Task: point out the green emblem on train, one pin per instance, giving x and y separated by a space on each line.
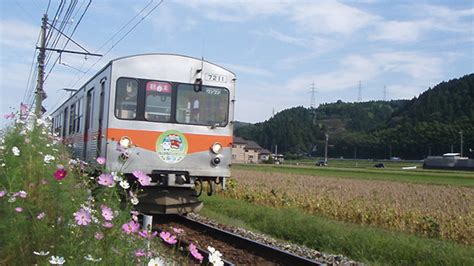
172 146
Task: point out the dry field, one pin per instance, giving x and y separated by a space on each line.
434 211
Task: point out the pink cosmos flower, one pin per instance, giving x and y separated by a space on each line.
168 238
149 235
21 194
9 116
107 213
143 179
18 209
98 235
2 193
24 109
40 216
194 251
82 217
106 180
100 160
130 227
178 230
60 174
139 253
108 225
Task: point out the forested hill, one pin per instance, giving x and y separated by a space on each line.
412 129
447 102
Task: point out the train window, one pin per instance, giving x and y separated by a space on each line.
158 101
77 116
206 107
72 109
126 98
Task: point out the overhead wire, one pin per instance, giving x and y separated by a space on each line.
67 41
108 40
118 41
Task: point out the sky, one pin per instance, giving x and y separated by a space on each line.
349 50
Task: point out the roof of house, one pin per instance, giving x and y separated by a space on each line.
239 140
264 151
252 145
249 144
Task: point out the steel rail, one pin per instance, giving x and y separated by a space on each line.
263 250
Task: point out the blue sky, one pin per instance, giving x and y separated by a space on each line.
276 48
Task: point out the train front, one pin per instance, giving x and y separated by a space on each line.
170 117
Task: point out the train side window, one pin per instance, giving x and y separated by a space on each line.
126 98
78 116
158 101
72 110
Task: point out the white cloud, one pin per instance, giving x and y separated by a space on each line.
404 91
282 37
236 11
18 35
248 70
401 31
414 65
331 17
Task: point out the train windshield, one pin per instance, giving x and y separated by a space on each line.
206 107
126 98
168 102
158 101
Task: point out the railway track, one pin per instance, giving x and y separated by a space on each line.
236 249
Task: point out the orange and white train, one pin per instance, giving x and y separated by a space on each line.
167 115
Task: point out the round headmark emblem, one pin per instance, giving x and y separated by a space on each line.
172 146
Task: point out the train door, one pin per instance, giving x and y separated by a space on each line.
100 152
65 115
88 122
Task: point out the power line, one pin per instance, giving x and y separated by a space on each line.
72 83
118 41
69 38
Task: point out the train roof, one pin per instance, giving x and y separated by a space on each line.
177 55
130 56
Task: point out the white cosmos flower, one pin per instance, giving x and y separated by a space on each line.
48 158
41 253
134 201
156 262
90 258
116 177
16 151
215 256
56 260
124 184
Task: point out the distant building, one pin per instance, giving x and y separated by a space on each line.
264 155
245 151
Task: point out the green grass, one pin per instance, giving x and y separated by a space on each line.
361 243
440 177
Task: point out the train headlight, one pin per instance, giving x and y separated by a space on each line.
125 142
216 148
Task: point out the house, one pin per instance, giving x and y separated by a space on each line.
245 151
264 155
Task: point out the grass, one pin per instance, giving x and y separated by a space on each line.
452 178
58 233
362 243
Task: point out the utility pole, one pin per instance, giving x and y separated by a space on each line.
326 150
384 93
460 133
359 95
313 99
41 57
